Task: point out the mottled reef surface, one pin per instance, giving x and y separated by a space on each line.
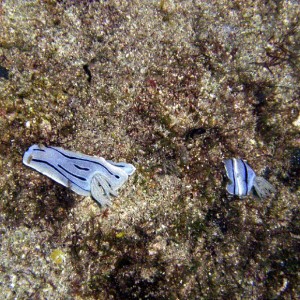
173 87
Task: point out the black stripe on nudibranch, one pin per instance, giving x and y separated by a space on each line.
57 170
41 150
246 176
81 168
84 159
233 176
78 177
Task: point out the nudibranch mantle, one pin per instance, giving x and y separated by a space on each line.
243 179
85 175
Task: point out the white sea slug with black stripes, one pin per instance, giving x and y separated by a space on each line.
85 175
243 179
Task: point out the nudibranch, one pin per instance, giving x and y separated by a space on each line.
243 179
85 175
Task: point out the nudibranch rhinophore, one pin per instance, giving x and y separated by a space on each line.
243 179
85 175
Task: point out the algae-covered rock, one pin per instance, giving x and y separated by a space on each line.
173 87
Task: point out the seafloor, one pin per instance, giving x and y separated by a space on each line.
173 87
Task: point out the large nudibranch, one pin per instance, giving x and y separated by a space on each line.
85 175
243 179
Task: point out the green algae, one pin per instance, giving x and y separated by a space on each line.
57 256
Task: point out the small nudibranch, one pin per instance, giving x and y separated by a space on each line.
243 179
85 175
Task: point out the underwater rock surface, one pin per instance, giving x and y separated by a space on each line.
175 87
